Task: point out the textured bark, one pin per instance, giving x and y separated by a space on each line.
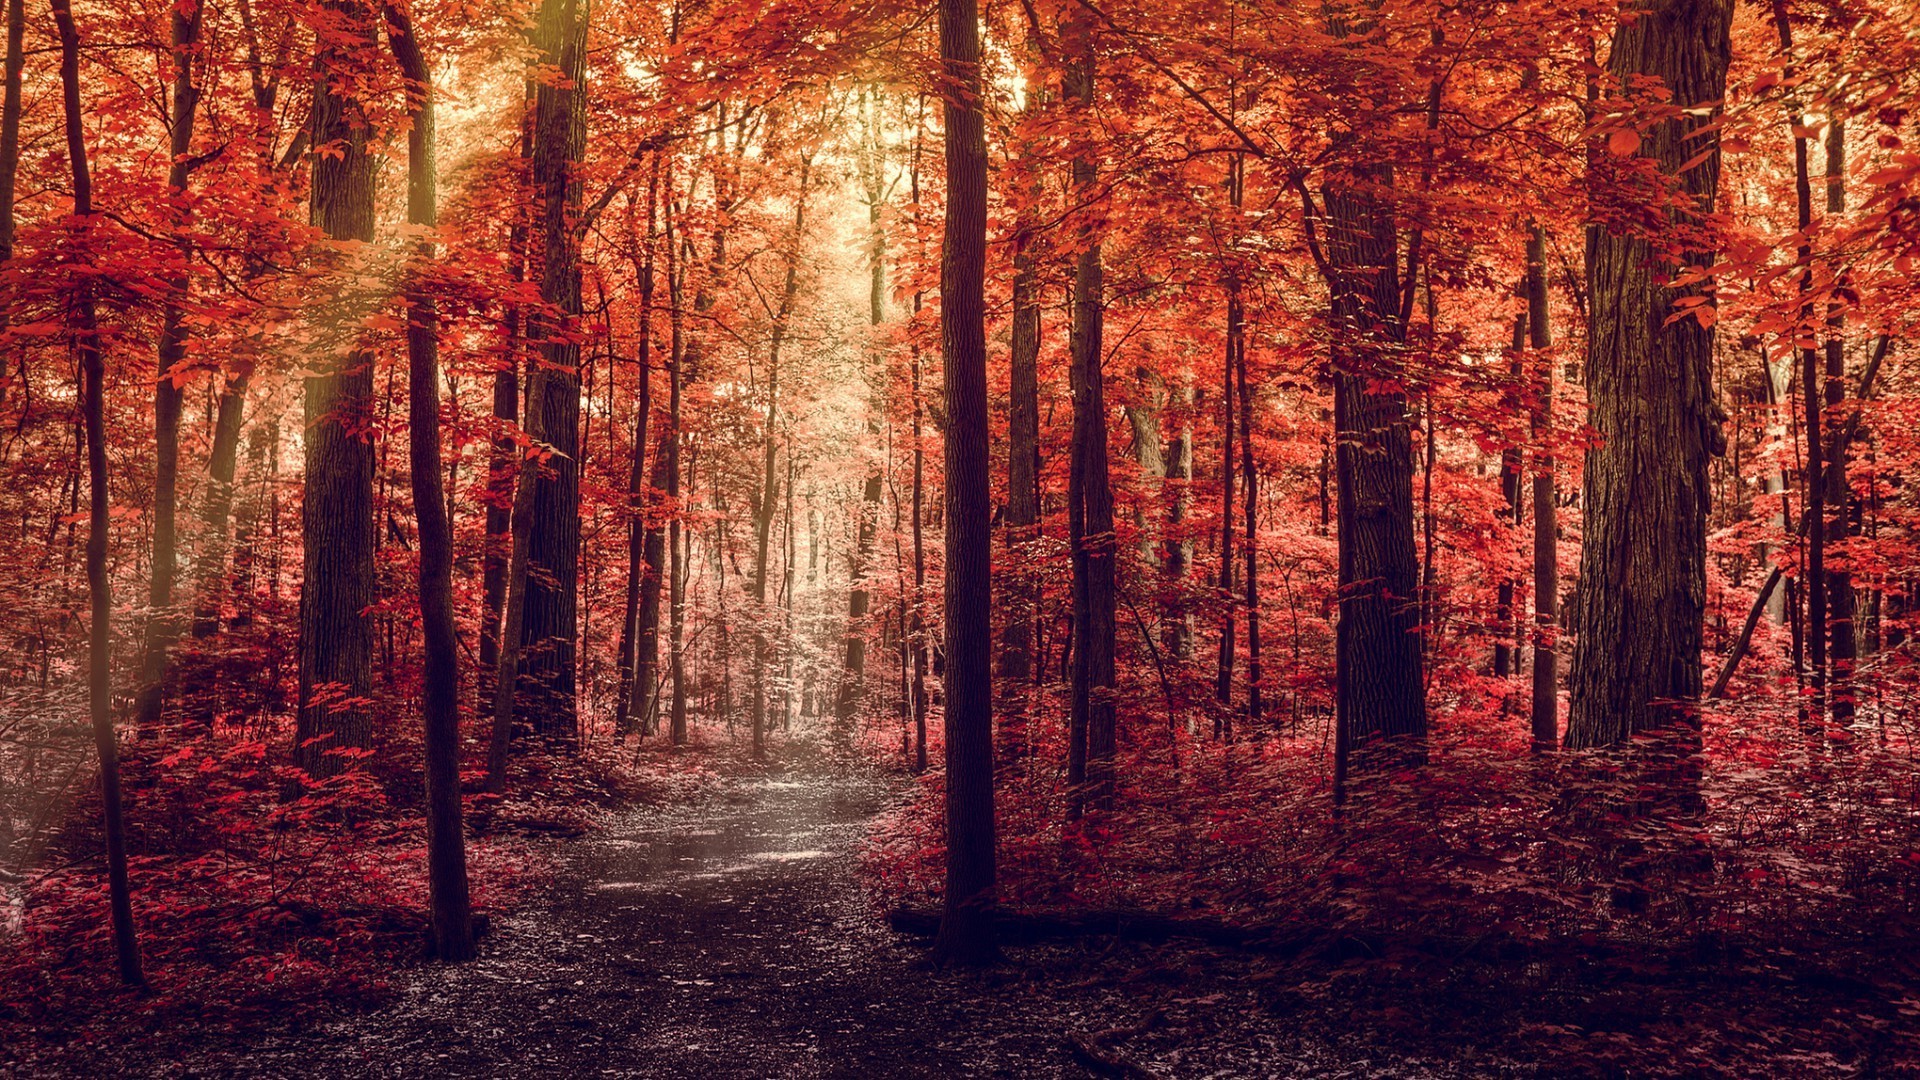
93 373
451 915
966 924
1636 656
163 622
1251 548
548 634
1546 517
1840 595
337 528
1090 744
1380 690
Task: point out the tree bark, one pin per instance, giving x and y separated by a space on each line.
548 665
163 622
1090 745
451 916
1636 656
1546 515
1840 595
966 925
636 670
86 341
1380 692
1250 492
337 527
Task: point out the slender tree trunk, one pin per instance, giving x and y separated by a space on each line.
1503 650
636 670
917 625
676 554
1251 493
1176 550
549 666
1546 516
93 372
163 622
966 925
769 479
1090 498
1236 339
337 527
1636 654
452 917
1840 595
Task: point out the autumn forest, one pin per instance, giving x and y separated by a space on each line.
862 538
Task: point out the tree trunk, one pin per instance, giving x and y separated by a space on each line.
1090 745
1636 654
86 341
548 666
1176 551
966 924
1236 340
1380 688
451 916
1840 594
769 479
636 671
1546 515
163 623
1251 493
337 527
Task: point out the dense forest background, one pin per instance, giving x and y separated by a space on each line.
1415 489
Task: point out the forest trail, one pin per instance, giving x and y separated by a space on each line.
733 939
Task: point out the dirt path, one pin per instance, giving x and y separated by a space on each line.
732 940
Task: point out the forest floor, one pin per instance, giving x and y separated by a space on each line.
733 938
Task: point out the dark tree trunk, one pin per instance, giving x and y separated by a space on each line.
548 666
1090 744
337 528
1176 550
1546 515
1236 340
1380 690
1251 495
451 916
1840 595
966 924
93 372
163 622
1636 654
636 669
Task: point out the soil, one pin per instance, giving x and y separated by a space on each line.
733 939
